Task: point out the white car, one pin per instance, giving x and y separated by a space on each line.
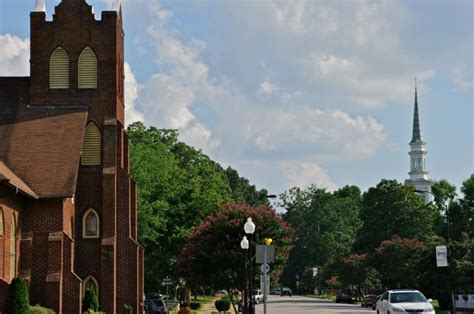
404 301
258 296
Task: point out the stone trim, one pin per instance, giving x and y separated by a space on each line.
55 236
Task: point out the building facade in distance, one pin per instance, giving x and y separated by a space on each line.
68 206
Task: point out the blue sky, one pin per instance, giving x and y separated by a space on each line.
293 93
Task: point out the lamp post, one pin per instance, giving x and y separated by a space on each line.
249 229
244 244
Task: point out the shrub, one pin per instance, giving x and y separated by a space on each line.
195 305
222 304
127 309
90 301
17 297
37 309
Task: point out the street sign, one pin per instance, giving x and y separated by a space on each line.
265 268
166 282
441 256
315 271
260 259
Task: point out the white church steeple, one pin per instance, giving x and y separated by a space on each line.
418 171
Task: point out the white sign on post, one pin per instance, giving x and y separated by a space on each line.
441 256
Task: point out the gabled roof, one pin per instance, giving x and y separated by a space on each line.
7 176
40 144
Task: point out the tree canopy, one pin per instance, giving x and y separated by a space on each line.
178 187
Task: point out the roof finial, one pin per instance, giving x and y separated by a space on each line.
416 120
40 6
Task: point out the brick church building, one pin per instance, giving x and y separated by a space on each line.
68 206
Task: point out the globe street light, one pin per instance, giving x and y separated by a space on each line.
249 229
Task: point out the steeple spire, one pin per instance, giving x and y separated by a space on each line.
416 136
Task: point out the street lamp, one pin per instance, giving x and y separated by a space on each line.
249 229
244 244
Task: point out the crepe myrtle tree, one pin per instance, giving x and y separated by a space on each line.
212 256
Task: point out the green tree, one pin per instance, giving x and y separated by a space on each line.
243 192
396 260
391 209
90 301
17 297
212 254
467 205
325 226
178 186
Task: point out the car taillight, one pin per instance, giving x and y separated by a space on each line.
165 308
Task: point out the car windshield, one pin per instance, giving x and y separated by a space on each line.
407 297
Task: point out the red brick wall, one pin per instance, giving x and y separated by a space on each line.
11 206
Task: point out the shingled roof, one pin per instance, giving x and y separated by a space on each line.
41 145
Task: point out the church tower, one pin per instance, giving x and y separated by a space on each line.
418 171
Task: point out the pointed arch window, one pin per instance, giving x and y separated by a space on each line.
91 148
59 69
87 69
13 248
90 283
90 224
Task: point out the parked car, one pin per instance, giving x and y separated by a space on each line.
155 306
404 301
275 291
369 300
344 295
286 291
258 296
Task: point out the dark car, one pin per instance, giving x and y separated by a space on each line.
155 306
369 300
344 295
286 291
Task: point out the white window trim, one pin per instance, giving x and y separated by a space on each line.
89 278
90 210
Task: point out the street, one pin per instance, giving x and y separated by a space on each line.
299 304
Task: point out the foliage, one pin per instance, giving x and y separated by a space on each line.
325 224
394 257
223 304
90 301
212 254
127 309
195 305
391 209
38 309
243 192
17 297
178 187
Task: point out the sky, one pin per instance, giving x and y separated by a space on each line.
294 93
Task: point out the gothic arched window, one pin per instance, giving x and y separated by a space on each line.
87 69
59 69
90 224
91 148
90 284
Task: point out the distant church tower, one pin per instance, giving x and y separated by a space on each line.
418 172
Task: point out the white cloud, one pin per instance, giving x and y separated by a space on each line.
131 93
458 76
304 174
14 56
267 88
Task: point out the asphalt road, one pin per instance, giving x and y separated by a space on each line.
298 304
